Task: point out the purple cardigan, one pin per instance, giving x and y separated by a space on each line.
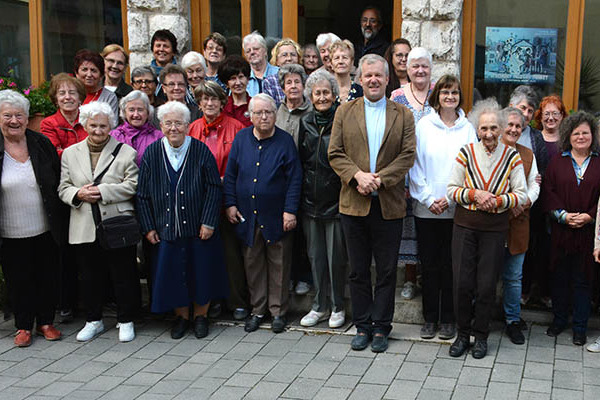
139 139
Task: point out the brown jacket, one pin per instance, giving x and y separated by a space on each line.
518 233
349 153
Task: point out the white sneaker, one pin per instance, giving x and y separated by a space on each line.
408 291
337 319
126 331
90 331
313 318
302 288
594 347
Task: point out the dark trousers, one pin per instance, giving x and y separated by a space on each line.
69 282
571 286
31 271
477 259
434 238
95 264
234 262
537 258
368 237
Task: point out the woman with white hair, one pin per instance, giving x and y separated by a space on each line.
98 181
31 217
179 202
137 131
255 51
194 65
324 40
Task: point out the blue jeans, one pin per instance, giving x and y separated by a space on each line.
511 277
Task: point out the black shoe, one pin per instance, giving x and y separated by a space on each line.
522 324
460 345
278 324
480 348
253 323
214 310
240 314
579 338
554 330
360 341
428 330
379 343
514 333
447 331
200 326
180 328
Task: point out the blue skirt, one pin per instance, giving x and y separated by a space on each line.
188 270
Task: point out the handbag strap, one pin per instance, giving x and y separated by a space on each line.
95 208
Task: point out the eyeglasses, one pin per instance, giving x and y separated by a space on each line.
265 113
172 85
286 55
19 117
554 114
111 62
142 82
372 21
448 92
170 124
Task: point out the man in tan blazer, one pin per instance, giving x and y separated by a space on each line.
372 148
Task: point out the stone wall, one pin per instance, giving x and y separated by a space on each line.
144 17
435 25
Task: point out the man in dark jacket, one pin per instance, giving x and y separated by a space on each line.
373 41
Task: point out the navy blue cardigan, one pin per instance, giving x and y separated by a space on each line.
263 179
197 200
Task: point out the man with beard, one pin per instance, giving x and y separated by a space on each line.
370 26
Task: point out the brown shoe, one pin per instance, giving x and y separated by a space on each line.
23 338
49 332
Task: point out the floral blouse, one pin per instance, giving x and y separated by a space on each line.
399 96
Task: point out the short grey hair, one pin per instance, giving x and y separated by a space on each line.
372 59
291 69
417 53
324 38
263 97
508 111
254 37
14 99
95 108
487 106
132 96
192 58
175 107
525 93
321 76
141 71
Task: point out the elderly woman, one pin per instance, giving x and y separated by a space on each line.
144 79
179 198
89 69
397 55
31 218
570 192
518 233
342 62
115 64
194 65
217 130
98 181
487 179
295 104
285 52
319 203
63 127
415 96
262 190
234 72
440 135
324 40
136 130
311 61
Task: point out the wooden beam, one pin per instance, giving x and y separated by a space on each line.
289 19
397 20
36 51
573 52
246 17
467 67
125 28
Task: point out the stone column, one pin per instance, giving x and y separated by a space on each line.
144 17
435 25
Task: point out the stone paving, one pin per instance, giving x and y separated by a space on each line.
230 364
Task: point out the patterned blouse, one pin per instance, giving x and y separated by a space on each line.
399 96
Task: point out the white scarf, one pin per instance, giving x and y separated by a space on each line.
176 155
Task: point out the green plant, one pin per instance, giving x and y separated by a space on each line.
39 100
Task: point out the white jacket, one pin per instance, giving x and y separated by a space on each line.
437 148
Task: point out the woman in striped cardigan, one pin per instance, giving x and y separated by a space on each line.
487 179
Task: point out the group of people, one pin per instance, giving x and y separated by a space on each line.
237 169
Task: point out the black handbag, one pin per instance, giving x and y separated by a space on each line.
116 232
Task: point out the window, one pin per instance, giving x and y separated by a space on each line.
266 19
14 41
589 79
226 18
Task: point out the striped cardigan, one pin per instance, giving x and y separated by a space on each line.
500 173
197 200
